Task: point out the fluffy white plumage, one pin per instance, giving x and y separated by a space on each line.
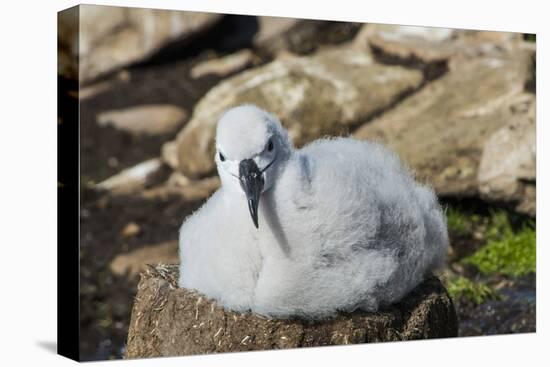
342 225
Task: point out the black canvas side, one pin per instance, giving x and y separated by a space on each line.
68 323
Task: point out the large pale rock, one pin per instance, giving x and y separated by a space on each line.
132 179
151 119
132 263
431 44
326 94
179 185
169 321
111 37
507 171
441 130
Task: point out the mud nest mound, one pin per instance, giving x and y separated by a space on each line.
170 321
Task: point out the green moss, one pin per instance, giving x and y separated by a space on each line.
508 251
513 255
461 288
499 226
530 37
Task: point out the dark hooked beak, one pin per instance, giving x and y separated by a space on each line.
252 183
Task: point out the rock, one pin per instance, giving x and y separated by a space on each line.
152 119
498 318
112 37
406 42
94 89
187 189
431 44
67 41
528 202
169 154
300 36
130 230
326 94
271 29
224 66
441 130
131 179
131 264
513 312
507 171
171 321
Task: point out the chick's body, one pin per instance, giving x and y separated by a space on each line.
342 226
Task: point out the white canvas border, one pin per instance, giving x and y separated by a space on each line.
28 194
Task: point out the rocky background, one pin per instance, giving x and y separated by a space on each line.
458 106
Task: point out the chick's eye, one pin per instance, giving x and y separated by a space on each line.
270 146
222 158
